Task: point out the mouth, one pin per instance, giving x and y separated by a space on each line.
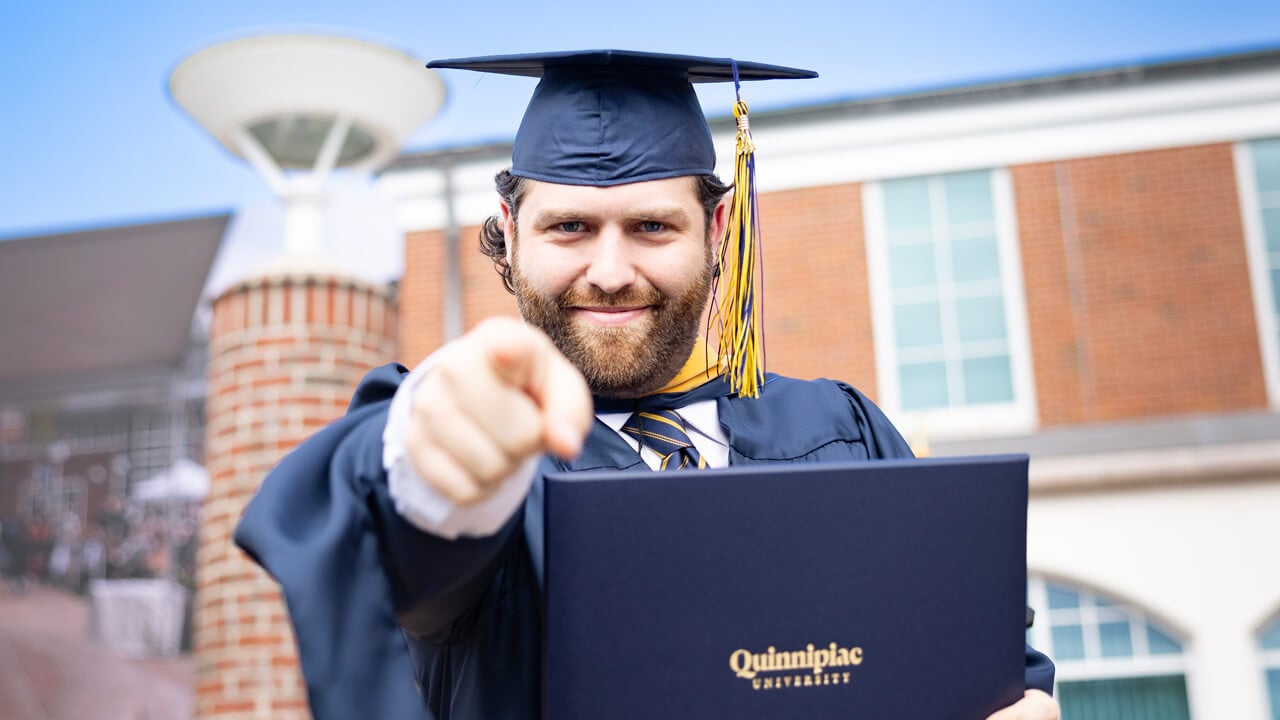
611 316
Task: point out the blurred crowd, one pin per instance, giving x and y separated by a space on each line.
123 540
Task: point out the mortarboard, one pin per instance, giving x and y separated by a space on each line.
609 117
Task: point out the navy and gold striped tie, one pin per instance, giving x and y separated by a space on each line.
662 431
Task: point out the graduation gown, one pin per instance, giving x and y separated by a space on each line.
395 623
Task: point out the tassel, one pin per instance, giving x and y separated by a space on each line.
737 312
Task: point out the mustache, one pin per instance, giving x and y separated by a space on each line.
593 297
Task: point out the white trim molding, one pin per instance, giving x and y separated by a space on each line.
795 153
420 196
1255 242
824 145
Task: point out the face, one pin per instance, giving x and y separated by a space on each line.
618 277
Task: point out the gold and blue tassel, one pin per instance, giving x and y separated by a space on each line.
737 310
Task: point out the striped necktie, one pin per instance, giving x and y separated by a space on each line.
662 431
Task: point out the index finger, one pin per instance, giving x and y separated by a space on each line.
569 410
528 360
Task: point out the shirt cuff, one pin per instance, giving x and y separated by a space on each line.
418 502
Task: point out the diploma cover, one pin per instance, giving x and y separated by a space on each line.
882 589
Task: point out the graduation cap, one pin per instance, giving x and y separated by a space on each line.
609 117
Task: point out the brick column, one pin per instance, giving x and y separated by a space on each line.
286 348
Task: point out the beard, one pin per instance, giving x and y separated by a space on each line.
628 361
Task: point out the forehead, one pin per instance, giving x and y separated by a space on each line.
630 197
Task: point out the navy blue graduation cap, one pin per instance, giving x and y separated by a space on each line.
610 117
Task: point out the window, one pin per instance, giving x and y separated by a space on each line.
1258 179
1113 661
51 493
951 342
1270 642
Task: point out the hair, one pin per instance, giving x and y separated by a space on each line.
493 240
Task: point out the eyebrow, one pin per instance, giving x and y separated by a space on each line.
555 216
671 215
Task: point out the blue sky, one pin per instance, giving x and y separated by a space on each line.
91 137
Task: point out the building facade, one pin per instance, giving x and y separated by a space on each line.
102 386
1083 267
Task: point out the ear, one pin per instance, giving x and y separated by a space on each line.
719 217
508 228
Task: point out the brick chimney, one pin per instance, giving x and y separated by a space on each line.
286 349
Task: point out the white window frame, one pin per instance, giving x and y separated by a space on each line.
1268 659
954 423
1093 666
1259 277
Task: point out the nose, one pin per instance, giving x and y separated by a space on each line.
612 265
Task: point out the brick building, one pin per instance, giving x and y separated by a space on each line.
1084 267
101 381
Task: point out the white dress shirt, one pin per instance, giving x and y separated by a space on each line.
430 511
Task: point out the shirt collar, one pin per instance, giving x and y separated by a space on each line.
701 417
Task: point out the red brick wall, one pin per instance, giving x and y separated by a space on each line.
422 296
482 292
817 303
1138 294
422 291
285 353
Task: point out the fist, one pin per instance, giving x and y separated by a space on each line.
497 396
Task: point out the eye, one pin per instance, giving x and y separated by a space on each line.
652 226
571 226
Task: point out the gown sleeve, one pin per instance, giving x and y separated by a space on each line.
353 572
884 442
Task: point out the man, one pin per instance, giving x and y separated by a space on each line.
410 513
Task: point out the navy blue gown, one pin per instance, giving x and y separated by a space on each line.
395 623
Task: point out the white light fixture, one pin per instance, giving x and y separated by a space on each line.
298 106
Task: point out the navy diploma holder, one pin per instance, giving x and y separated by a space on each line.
890 589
